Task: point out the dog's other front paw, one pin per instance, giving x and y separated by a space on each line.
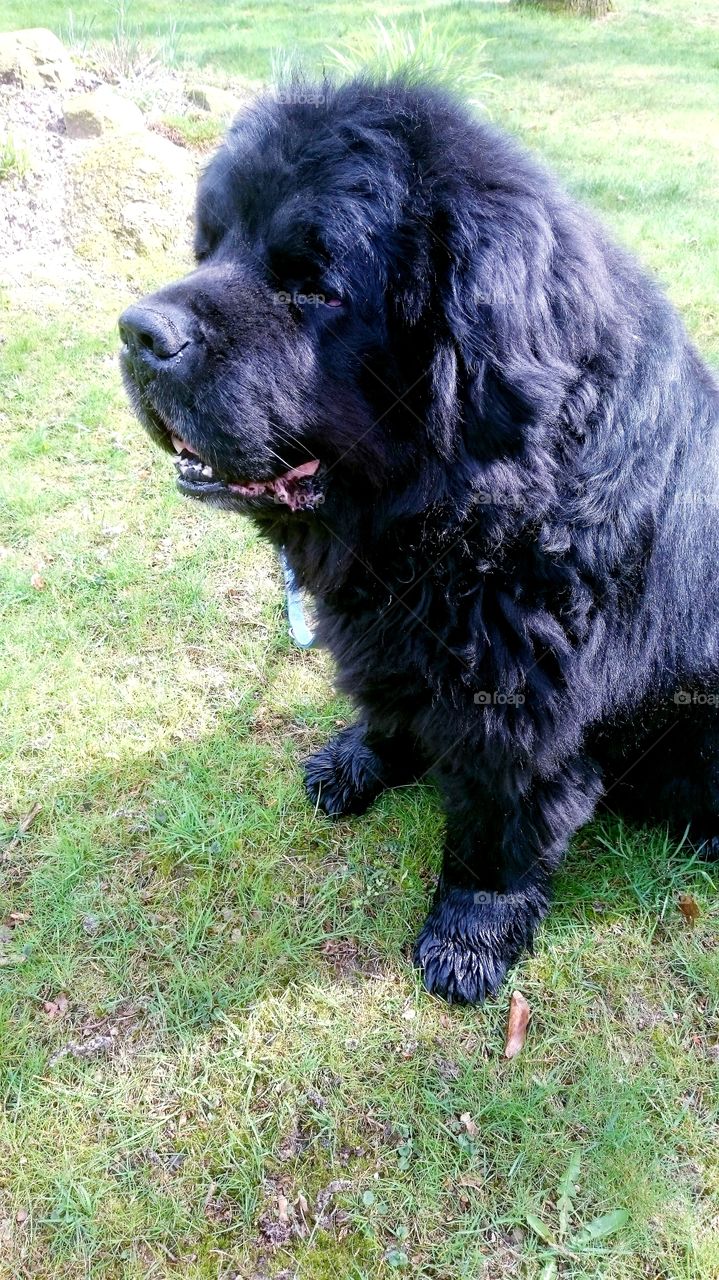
470 940
345 776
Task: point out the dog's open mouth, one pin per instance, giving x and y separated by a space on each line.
197 478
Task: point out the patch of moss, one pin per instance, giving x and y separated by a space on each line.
196 131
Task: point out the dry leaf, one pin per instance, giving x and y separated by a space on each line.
519 1012
21 1216
468 1124
472 1180
37 581
688 907
57 1007
283 1209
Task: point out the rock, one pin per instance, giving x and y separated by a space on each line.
35 59
219 102
89 115
130 193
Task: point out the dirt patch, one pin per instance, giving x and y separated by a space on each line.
55 231
32 203
86 1036
289 1216
348 961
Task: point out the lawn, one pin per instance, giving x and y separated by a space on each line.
215 1057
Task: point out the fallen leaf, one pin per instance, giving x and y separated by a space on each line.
688 907
21 1216
37 582
57 1007
283 1208
519 1012
468 1124
472 1180
18 917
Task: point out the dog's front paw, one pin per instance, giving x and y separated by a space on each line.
345 776
470 940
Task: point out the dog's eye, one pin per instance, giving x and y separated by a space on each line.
334 302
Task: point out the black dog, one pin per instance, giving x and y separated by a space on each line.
492 455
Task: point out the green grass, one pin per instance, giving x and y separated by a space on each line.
196 130
14 160
242 1025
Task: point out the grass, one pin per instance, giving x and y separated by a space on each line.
14 160
196 130
215 1059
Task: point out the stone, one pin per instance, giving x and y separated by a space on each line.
35 59
89 115
130 194
219 102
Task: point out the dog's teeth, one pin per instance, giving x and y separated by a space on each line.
207 471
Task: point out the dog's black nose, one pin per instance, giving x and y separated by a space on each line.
153 334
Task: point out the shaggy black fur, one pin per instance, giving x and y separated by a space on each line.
512 535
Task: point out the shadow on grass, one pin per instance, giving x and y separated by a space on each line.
208 881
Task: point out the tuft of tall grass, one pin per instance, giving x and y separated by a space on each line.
420 51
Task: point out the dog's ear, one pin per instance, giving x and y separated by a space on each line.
512 268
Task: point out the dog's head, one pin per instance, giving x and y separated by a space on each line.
369 305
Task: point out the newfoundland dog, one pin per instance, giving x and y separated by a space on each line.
491 453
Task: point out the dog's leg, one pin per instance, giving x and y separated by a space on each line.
347 774
494 890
